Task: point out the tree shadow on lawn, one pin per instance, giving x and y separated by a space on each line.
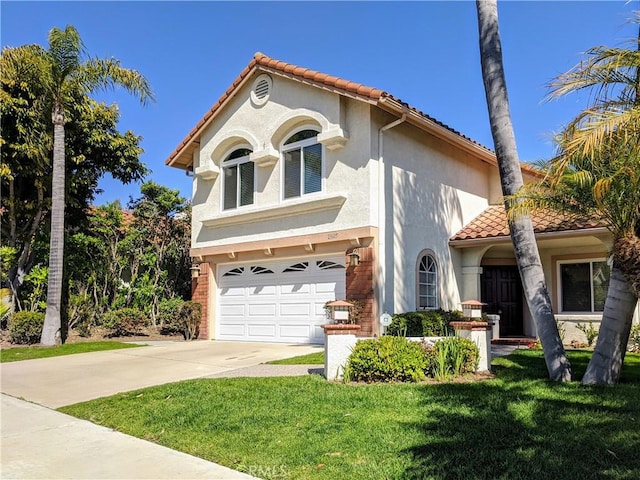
518 426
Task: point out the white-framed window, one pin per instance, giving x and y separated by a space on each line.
303 164
238 174
427 282
583 284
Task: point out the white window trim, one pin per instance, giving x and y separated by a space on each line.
230 163
427 253
559 264
301 144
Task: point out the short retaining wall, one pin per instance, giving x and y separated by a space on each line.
480 334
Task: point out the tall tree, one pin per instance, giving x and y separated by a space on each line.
93 147
522 235
596 174
69 72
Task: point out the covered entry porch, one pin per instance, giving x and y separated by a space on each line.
575 266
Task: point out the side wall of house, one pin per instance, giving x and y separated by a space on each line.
432 190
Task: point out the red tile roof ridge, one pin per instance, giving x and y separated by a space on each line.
263 61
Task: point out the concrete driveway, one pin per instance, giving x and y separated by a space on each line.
57 381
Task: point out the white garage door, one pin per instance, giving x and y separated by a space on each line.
278 301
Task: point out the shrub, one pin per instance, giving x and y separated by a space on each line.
26 327
450 357
178 316
386 359
167 316
124 322
423 323
589 331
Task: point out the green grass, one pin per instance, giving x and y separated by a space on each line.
315 358
29 353
515 426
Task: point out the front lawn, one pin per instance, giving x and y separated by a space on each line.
514 426
29 353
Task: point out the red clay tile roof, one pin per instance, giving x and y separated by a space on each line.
181 156
492 223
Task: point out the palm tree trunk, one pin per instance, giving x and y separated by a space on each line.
606 363
522 235
51 333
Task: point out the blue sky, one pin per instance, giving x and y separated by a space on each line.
425 53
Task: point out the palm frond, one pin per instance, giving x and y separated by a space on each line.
107 74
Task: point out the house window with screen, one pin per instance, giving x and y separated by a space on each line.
302 164
427 282
583 285
238 174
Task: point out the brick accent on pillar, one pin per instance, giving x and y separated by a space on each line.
359 283
200 294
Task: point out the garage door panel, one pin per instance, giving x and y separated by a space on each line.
262 310
232 310
295 289
232 330
233 291
263 290
261 330
295 331
326 287
295 309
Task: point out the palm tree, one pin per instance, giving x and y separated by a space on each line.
597 175
521 228
68 73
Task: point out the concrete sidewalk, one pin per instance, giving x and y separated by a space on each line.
39 443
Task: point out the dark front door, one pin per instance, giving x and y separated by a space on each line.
502 292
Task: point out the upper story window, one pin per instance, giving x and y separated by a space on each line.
302 164
427 282
583 285
239 179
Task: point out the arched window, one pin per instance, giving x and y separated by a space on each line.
239 179
302 170
427 282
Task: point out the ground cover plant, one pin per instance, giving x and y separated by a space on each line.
29 353
517 425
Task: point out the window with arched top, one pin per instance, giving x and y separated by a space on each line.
427 282
238 179
302 165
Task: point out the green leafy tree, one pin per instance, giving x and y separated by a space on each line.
521 229
161 225
94 147
596 175
66 73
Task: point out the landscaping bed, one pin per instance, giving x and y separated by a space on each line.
514 425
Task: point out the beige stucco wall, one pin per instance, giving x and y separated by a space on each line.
433 189
347 171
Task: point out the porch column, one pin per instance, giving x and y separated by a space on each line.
471 283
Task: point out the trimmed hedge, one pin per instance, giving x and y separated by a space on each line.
25 328
386 359
424 323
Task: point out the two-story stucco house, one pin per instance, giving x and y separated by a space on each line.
309 188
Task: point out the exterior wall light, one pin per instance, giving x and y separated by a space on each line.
354 258
195 270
